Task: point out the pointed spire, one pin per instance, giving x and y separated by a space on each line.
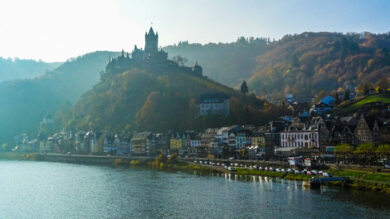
151 31
123 53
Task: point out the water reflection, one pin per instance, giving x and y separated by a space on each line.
72 191
292 188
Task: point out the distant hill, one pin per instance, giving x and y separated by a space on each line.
227 63
25 102
307 63
77 75
155 99
12 69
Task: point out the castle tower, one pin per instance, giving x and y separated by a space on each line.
151 41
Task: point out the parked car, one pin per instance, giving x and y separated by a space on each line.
255 167
231 168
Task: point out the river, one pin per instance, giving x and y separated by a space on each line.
31 189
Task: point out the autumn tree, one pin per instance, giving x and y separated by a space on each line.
320 96
173 158
383 84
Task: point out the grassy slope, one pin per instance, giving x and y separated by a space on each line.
384 98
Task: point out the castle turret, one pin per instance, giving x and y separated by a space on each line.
151 41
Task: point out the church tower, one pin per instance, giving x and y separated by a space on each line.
151 41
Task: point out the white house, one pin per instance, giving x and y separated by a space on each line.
298 136
214 104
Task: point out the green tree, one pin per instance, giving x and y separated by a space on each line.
343 152
365 153
383 151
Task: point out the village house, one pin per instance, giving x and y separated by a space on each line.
193 142
214 104
142 143
367 131
90 142
243 138
324 106
296 136
258 141
175 142
116 145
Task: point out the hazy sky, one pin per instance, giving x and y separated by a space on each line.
55 30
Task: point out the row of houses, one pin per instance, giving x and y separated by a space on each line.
287 136
309 131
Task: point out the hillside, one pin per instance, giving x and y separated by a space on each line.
227 63
370 103
12 69
155 99
307 63
25 102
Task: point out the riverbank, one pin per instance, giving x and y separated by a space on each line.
362 180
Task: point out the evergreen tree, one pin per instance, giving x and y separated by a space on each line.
346 95
244 88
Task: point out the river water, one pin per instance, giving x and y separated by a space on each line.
58 190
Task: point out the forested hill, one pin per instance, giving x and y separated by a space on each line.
227 63
307 63
11 69
24 103
77 75
155 99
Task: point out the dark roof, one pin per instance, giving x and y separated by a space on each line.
212 97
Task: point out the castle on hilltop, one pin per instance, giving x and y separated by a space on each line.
150 56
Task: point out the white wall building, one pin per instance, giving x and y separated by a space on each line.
299 139
214 104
